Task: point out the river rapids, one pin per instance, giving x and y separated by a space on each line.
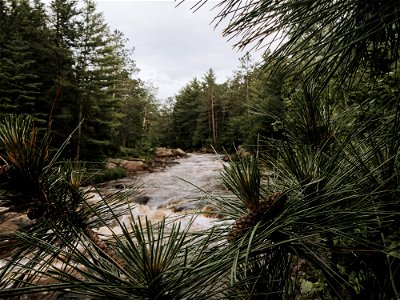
177 192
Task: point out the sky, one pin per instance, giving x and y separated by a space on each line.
172 45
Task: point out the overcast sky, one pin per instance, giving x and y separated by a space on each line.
172 44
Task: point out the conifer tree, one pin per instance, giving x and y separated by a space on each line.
19 79
207 130
132 110
185 114
99 68
63 21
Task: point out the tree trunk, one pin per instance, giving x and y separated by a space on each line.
213 119
79 132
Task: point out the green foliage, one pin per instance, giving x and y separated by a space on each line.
50 193
230 114
25 157
65 64
322 38
154 261
341 201
33 180
109 174
208 113
19 78
243 179
185 114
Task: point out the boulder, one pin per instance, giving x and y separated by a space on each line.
119 186
143 200
164 152
133 166
180 152
164 156
240 152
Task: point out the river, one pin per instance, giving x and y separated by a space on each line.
177 191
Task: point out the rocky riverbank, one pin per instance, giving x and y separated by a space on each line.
163 158
178 190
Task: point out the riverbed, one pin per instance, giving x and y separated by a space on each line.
179 191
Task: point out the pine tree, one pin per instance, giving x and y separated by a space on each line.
100 69
209 114
63 21
19 79
133 111
39 36
236 105
185 114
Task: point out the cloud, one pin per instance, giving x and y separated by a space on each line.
172 44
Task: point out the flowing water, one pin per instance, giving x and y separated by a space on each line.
178 190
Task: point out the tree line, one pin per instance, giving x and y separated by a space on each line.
207 114
64 66
247 109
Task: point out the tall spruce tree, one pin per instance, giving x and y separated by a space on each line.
63 19
19 79
99 67
185 114
207 129
235 110
40 39
133 111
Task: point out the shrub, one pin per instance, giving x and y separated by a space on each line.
109 174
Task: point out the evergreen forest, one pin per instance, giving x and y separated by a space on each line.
67 69
311 208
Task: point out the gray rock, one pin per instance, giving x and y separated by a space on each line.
142 200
